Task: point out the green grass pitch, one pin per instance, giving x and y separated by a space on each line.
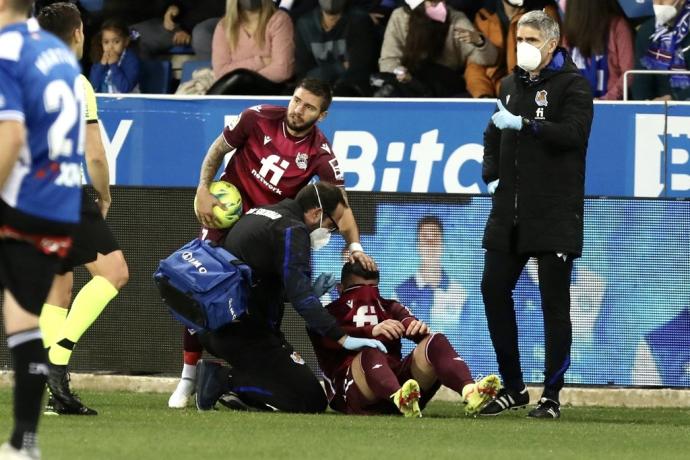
140 426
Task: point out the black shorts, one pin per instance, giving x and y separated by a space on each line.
27 273
91 237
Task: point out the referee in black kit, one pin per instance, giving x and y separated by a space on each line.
534 165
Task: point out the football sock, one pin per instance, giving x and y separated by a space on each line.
191 358
189 371
191 343
86 308
30 373
51 320
378 374
192 352
450 368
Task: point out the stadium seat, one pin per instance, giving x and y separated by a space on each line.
181 49
92 5
189 67
155 77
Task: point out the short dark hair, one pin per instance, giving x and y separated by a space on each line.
318 88
429 220
21 6
330 195
356 269
60 19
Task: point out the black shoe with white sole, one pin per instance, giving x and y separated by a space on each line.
506 399
546 408
62 401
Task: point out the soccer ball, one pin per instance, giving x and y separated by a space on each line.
231 199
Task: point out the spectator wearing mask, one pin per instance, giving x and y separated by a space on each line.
497 21
600 42
335 43
427 46
253 45
663 43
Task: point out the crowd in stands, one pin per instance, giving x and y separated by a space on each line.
383 48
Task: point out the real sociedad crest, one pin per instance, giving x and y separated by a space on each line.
301 160
540 98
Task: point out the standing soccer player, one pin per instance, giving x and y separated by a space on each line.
94 244
278 151
41 144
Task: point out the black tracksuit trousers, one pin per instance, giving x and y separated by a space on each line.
501 273
266 372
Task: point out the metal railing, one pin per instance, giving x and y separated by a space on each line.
648 72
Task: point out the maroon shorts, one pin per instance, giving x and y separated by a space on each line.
349 400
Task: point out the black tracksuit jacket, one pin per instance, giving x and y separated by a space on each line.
539 203
274 242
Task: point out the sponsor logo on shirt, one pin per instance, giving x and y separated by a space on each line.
325 147
267 139
265 213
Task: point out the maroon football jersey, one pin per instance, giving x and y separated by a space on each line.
270 164
357 311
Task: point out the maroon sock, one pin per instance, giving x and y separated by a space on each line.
378 373
192 348
450 368
191 342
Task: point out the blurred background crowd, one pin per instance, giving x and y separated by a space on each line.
382 48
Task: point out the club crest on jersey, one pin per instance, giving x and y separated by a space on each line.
540 98
301 160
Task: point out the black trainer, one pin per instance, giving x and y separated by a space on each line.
546 408
506 399
62 401
233 402
211 384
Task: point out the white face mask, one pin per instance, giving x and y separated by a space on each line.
321 236
517 3
664 14
528 56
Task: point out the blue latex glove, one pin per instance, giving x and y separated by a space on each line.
492 186
504 119
323 283
355 343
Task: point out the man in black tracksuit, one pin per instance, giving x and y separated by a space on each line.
266 372
534 163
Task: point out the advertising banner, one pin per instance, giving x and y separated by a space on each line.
419 146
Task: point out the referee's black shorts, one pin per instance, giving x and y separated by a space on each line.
91 237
